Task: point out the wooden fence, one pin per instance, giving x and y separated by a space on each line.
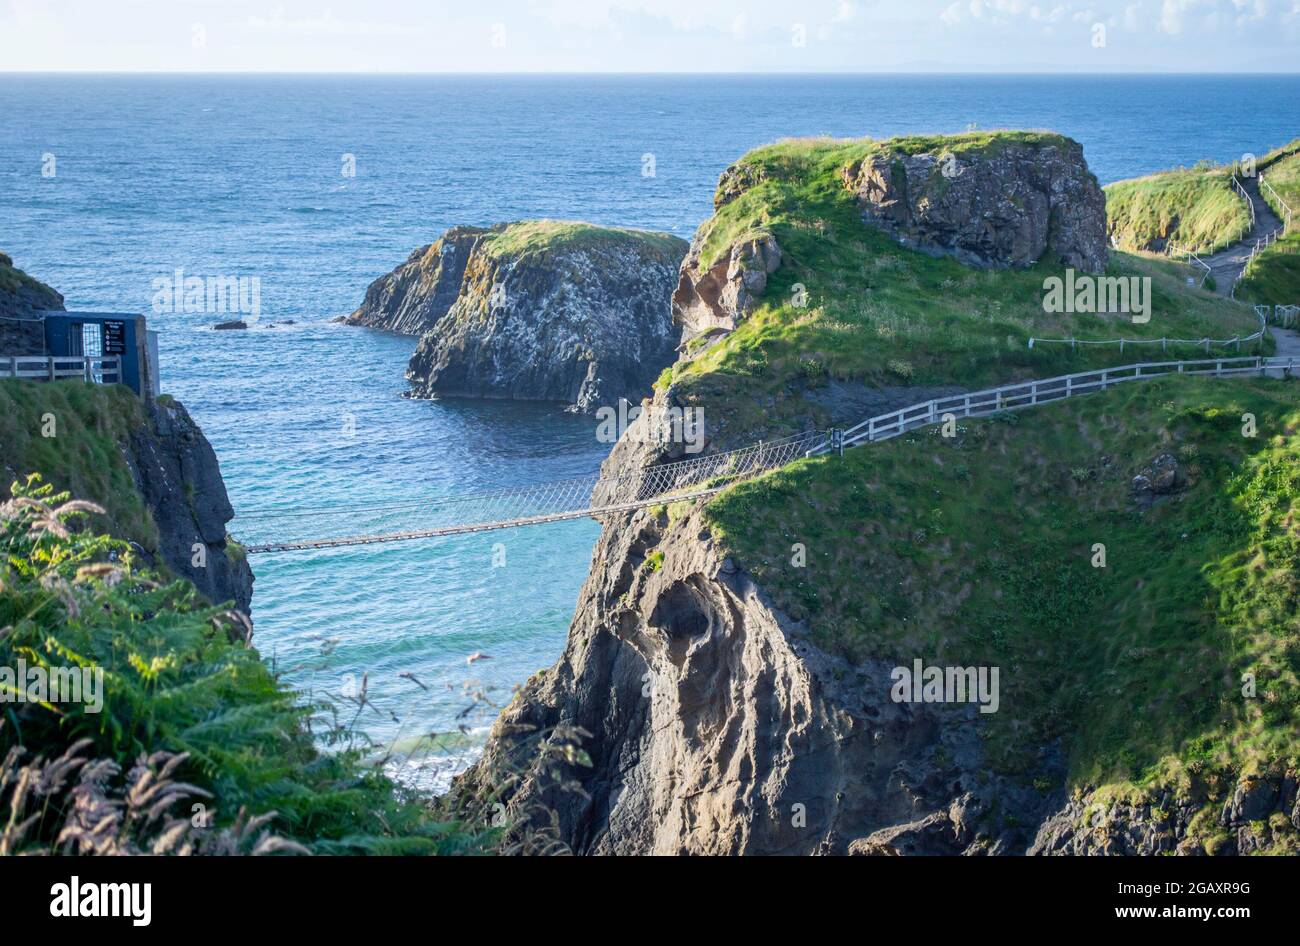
98 370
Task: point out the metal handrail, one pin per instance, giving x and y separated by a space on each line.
1250 204
1029 393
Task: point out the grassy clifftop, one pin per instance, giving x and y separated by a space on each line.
1196 209
980 549
550 236
848 303
74 434
783 181
13 279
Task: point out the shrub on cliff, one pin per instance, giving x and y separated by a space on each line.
188 743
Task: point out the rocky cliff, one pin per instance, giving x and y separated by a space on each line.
990 201
21 298
540 310
711 720
1021 200
725 686
177 474
146 462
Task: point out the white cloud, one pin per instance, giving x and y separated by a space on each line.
327 24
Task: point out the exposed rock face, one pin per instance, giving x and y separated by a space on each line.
1007 206
412 298
178 476
1258 815
717 729
1159 478
721 295
21 298
583 320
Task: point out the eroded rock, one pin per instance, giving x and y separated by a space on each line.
1009 205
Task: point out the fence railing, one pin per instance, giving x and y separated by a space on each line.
1261 244
1283 316
1286 213
1164 343
1193 259
101 370
1250 204
1012 397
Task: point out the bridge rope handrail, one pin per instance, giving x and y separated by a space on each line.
527 504
596 495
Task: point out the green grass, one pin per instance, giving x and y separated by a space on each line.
90 423
978 550
886 315
175 682
1281 168
548 236
1195 208
1273 277
12 279
806 172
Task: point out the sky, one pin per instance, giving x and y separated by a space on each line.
650 36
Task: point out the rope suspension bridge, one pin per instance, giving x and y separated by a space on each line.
291 530
297 529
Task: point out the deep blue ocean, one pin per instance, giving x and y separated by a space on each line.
243 176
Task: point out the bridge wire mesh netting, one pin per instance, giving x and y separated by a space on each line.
306 526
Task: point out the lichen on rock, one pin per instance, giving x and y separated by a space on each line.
1008 206
537 310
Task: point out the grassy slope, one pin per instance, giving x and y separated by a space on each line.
12 279
1273 277
891 316
1196 208
89 422
977 550
533 236
173 681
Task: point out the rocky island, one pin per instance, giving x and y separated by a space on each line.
537 310
727 675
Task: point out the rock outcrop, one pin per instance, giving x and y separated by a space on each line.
716 728
1259 814
1007 205
416 295
539 311
719 296
21 298
177 473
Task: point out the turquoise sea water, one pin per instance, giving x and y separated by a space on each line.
243 176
